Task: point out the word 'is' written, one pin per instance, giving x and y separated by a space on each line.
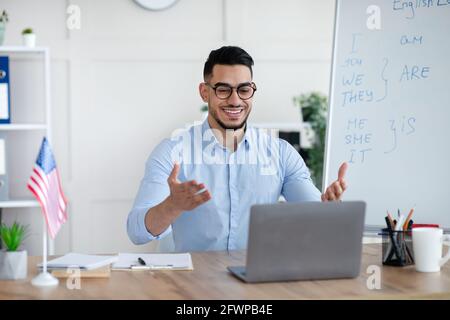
359 137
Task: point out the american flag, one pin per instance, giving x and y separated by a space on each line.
45 184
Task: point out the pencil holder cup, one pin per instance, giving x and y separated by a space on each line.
397 248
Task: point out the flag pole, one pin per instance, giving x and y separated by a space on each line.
44 279
45 168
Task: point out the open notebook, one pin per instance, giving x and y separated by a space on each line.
153 261
82 261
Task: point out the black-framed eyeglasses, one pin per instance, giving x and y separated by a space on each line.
223 91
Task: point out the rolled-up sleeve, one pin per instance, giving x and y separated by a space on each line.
152 191
297 184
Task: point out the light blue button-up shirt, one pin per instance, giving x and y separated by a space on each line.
261 169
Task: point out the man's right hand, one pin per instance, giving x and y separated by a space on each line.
184 196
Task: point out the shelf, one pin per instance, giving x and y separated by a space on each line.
23 49
22 203
31 130
292 126
24 126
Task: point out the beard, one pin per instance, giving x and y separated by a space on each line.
229 127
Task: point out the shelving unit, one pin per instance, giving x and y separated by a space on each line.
27 128
302 127
291 126
27 203
23 126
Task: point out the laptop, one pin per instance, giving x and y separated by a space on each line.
303 241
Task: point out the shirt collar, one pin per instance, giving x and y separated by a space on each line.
247 135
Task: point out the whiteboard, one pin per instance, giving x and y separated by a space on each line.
389 113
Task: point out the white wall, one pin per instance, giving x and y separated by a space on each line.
130 76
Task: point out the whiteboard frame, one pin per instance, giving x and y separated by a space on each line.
369 230
326 172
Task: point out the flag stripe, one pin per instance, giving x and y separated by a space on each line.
60 187
45 184
38 191
41 176
43 207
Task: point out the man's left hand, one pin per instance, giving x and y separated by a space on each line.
336 189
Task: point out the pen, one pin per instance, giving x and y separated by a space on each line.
152 266
156 266
394 243
163 266
401 220
141 261
144 266
140 267
410 224
406 224
391 221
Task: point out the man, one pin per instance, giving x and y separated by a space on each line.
201 189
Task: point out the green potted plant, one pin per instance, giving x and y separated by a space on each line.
313 108
29 38
3 21
13 262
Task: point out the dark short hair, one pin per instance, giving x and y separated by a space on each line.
227 55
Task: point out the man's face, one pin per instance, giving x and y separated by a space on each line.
232 112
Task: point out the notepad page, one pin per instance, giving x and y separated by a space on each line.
126 260
177 260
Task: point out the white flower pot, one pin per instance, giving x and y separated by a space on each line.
29 40
13 265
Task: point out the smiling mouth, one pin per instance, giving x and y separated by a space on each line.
233 112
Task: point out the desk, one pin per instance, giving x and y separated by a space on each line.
211 280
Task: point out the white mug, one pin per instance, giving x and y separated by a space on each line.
427 247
